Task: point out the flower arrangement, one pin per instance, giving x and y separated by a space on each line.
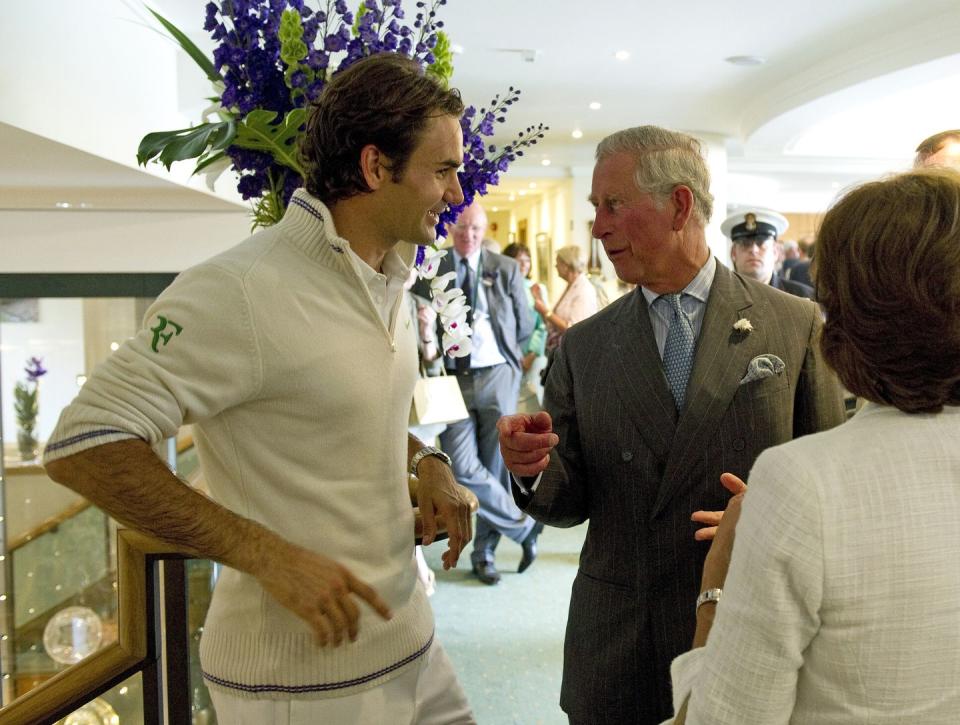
273 57
26 408
743 326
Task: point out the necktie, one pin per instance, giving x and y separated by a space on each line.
466 284
678 350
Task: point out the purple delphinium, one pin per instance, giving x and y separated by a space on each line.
34 369
247 55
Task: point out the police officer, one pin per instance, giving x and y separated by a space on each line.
754 235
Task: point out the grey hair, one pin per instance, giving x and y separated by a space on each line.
665 159
572 256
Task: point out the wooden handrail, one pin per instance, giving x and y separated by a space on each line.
70 689
48 524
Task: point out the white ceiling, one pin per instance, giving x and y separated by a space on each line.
848 90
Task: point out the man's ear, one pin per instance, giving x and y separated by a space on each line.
372 160
682 199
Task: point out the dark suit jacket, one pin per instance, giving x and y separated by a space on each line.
506 300
788 285
626 463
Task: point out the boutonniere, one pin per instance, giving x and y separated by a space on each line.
487 280
743 326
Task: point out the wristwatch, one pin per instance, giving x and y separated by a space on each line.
710 595
423 453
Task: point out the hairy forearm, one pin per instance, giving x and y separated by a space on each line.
129 482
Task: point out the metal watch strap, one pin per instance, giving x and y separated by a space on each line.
710 595
423 453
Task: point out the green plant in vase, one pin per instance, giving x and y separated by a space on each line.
26 408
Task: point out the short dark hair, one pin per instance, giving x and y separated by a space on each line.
384 100
515 249
887 272
929 146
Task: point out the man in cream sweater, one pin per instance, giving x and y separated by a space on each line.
288 356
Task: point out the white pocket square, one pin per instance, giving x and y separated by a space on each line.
763 366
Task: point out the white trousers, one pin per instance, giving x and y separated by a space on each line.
427 693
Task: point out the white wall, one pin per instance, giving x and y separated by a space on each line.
121 241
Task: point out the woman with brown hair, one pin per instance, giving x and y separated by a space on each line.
842 600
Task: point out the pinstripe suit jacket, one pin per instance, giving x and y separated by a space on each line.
633 468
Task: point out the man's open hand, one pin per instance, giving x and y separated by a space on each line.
318 590
441 500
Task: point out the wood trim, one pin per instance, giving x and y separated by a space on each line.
48 525
80 683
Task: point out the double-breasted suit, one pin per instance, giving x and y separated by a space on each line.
634 468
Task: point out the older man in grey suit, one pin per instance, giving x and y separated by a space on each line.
692 374
490 382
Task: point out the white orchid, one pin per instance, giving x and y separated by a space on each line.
428 268
449 304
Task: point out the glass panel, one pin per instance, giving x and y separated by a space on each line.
201 576
57 556
122 705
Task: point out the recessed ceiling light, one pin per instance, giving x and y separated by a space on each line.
522 192
622 55
496 208
63 205
533 184
595 105
577 133
746 60
545 162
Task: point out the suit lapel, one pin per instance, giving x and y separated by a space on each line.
647 399
721 359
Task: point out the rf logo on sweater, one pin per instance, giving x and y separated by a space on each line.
159 335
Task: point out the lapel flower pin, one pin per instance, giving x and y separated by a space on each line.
743 326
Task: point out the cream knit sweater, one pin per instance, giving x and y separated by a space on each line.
299 394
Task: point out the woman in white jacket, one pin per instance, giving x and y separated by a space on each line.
842 599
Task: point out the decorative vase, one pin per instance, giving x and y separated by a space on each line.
28 445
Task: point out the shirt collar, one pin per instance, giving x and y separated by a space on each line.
473 259
698 288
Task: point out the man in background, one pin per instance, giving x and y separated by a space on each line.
691 375
941 149
490 383
753 235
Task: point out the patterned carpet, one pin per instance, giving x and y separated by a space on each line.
506 641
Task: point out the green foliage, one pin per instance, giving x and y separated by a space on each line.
258 132
200 142
269 208
25 406
361 11
293 51
442 67
206 65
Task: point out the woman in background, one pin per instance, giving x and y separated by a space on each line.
534 353
842 601
578 301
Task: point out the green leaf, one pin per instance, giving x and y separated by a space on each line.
205 162
258 132
206 65
185 143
